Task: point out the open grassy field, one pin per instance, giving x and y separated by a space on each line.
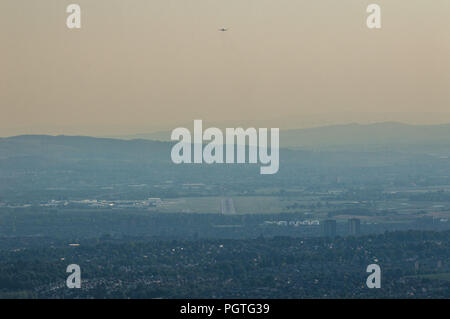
243 205
442 276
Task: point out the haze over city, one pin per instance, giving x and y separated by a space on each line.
212 156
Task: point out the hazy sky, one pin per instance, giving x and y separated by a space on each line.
138 66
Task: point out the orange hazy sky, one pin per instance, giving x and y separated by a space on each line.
139 66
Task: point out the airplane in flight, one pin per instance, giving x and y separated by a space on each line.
223 29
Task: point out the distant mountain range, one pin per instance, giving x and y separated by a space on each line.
379 134
33 164
388 133
63 147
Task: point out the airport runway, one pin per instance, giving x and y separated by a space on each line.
227 206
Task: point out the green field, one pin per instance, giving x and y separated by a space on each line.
243 205
442 276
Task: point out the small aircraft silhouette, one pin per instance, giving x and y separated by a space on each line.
223 29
